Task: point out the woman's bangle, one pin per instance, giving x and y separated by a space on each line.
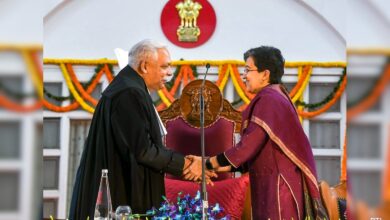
209 166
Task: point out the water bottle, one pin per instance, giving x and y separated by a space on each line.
103 206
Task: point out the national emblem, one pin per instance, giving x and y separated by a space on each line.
188 31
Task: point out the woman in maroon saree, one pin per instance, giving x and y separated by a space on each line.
273 148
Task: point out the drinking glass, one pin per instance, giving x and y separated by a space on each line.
122 212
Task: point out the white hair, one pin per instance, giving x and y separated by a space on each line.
142 51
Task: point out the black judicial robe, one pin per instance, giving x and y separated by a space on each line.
124 138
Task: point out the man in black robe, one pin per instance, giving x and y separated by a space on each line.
125 137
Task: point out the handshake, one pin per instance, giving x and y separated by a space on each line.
193 170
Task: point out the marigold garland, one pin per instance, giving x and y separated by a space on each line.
193 72
299 108
161 106
73 90
221 74
242 63
188 74
79 87
240 86
16 107
109 72
74 105
224 78
226 68
229 69
303 87
16 94
181 75
386 175
38 70
369 51
327 105
168 95
343 176
35 76
99 70
326 99
176 83
89 62
170 83
242 107
55 97
192 62
302 74
164 98
37 65
20 47
236 85
185 76
371 99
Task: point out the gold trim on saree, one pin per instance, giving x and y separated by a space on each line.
292 193
278 196
285 150
230 161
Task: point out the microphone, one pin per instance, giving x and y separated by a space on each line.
205 203
205 75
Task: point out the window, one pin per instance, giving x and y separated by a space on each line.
9 191
50 173
359 87
318 91
10 140
12 87
51 133
328 169
78 134
54 89
365 140
50 208
325 134
366 185
97 92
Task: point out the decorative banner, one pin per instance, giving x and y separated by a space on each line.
188 23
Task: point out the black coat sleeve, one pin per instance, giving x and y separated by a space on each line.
131 126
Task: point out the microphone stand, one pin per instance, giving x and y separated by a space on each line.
205 203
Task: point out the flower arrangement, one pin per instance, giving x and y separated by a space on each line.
186 208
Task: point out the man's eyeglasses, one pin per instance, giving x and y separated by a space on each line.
248 70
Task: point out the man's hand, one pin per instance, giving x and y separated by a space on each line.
193 172
208 178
